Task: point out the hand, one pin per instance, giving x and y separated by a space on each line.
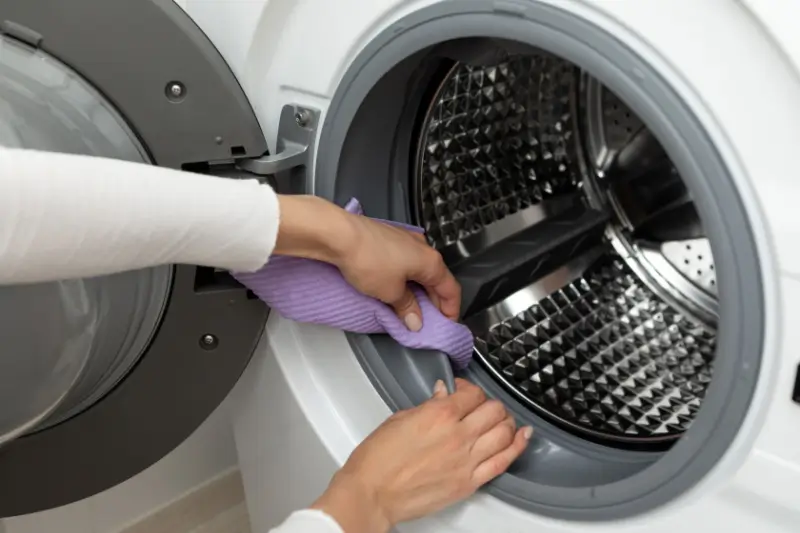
383 259
377 259
422 460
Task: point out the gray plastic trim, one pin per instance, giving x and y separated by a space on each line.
297 130
132 52
345 169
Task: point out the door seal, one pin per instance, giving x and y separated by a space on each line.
288 166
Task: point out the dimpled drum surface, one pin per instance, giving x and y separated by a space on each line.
605 350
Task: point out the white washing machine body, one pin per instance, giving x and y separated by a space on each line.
306 401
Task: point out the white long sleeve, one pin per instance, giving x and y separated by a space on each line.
308 521
67 216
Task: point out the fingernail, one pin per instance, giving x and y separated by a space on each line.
527 432
413 322
438 387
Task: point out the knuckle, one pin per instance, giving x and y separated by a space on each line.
434 256
447 412
507 433
462 383
496 467
435 260
479 394
496 409
402 297
475 391
502 436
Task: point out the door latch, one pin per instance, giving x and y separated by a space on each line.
288 167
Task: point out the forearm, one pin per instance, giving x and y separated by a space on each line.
64 216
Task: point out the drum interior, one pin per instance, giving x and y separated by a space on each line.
611 334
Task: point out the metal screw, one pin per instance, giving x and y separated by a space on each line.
208 341
175 90
302 117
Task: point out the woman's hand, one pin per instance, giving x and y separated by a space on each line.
424 459
383 259
377 259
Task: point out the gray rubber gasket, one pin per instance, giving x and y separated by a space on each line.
131 51
741 321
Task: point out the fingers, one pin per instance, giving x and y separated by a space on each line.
494 440
434 299
439 389
497 441
466 398
484 418
431 272
442 287
499 463
407 308
448 292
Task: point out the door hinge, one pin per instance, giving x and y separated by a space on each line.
288 166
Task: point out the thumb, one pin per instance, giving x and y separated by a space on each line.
407 308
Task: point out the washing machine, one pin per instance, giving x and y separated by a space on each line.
612 183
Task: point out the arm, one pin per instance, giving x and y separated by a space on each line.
67 216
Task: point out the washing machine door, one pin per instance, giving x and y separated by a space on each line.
100 378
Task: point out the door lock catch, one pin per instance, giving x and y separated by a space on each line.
288 167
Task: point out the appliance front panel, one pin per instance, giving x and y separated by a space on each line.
274 74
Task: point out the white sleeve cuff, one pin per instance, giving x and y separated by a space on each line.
68 216
308 521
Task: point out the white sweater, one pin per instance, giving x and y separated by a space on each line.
66 216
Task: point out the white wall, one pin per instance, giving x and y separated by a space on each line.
207 453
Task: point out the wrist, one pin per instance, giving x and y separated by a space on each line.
312 228
353 506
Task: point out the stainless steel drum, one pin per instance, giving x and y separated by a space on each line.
616 343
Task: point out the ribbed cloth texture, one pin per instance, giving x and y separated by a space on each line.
314 292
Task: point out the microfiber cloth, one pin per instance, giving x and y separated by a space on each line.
311 291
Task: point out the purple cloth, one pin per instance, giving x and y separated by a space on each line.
311 291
